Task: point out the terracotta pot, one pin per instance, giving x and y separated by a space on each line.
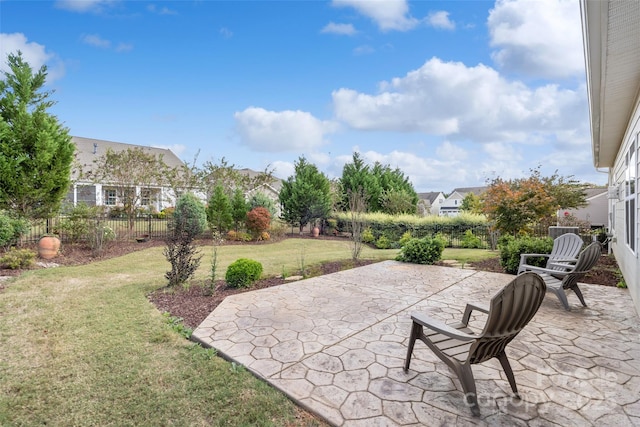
48 247
316 232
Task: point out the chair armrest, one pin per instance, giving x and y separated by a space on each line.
470 307
441 327
525 256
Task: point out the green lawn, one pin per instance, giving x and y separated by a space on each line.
83 346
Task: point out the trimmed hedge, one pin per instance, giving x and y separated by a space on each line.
422 251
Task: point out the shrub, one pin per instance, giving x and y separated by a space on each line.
405 238
260 199
18 258
422 251
277 229
258 221
511 249
188 222
11 228
471 241
367 236
232 235
264 236
242 273
383 242
77 225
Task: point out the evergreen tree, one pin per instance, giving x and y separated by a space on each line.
357 178
219 211
36 151
306 196
239 208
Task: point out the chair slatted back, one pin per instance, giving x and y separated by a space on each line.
565 247
587 259
509 312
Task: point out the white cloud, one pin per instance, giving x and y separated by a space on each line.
387 14
124 47
341 29
34 53
283 170
537 38
441 20
161 10
82 6
449 151
96 41
276 131
365 49
470 103
226 33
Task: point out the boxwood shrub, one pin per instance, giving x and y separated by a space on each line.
426 250
511 248
243 273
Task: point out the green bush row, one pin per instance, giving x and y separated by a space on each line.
385 231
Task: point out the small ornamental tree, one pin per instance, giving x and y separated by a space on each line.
515 205
258 221
187 223
239 208
261 199
219 211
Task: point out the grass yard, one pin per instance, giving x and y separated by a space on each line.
83 346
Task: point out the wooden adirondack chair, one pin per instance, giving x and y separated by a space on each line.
560 261
587 259
456 345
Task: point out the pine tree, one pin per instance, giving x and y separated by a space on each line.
36 151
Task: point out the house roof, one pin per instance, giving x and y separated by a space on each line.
592 193
276 184
611 35
464 190
430 196
88 149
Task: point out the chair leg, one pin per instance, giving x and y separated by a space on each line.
465 375
504 361
578 292
562 297
416 331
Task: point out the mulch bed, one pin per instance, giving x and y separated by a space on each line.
195 303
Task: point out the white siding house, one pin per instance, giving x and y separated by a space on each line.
155 197
611 34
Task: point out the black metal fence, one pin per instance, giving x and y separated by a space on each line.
80 229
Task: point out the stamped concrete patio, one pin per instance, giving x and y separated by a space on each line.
336 344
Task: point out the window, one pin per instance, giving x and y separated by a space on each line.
630 187
145 197
110 198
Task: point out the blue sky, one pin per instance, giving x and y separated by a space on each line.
451 92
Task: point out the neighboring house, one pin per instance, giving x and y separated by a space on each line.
611 35
596 212
451 205
429 203
271 190
102 194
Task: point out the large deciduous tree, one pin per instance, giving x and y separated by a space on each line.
36 151
305 196
516 205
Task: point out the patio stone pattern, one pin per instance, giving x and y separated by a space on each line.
336 345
